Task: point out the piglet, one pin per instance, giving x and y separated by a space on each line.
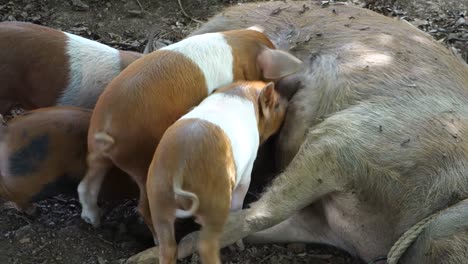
139 105
203 163
43 153
41 67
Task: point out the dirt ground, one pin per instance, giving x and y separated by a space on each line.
56 234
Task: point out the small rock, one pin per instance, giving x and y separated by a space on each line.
78 5
82 29
296 248
69 229
136 13
460 22
22 232
114 36
452 36
35 18
25 240
419 22
274 260
28 7
101 260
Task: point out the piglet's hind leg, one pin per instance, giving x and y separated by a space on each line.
89 187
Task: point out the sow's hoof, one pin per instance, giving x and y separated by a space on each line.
149 256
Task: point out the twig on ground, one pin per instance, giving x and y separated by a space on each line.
267 257
100 238
138 2
22 217
185 14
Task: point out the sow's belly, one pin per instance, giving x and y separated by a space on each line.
362 230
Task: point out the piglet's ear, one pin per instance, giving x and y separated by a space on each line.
276 64
267 99
257 28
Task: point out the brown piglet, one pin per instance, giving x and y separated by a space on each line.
203 163
151 94
43 153
42 66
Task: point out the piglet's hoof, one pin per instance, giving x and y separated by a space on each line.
92 217
30 210
149 256
27 209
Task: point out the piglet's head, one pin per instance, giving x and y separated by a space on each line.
268 62
272 110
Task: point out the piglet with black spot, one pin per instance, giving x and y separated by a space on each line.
43 153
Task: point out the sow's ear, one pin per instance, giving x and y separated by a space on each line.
267 99
276 64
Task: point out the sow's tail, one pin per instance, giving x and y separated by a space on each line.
178 191
103 141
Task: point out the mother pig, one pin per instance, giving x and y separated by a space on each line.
375 143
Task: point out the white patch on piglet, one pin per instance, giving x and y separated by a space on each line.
92 66
213 55
236 117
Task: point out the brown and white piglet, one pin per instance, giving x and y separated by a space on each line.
152 93
41 67
43 153
203 163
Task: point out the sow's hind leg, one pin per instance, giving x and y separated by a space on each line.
444 240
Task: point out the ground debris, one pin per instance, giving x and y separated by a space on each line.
79 5
444 20
56 234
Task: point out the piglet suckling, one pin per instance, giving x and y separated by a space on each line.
43 153
138 106
42 66
203 163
